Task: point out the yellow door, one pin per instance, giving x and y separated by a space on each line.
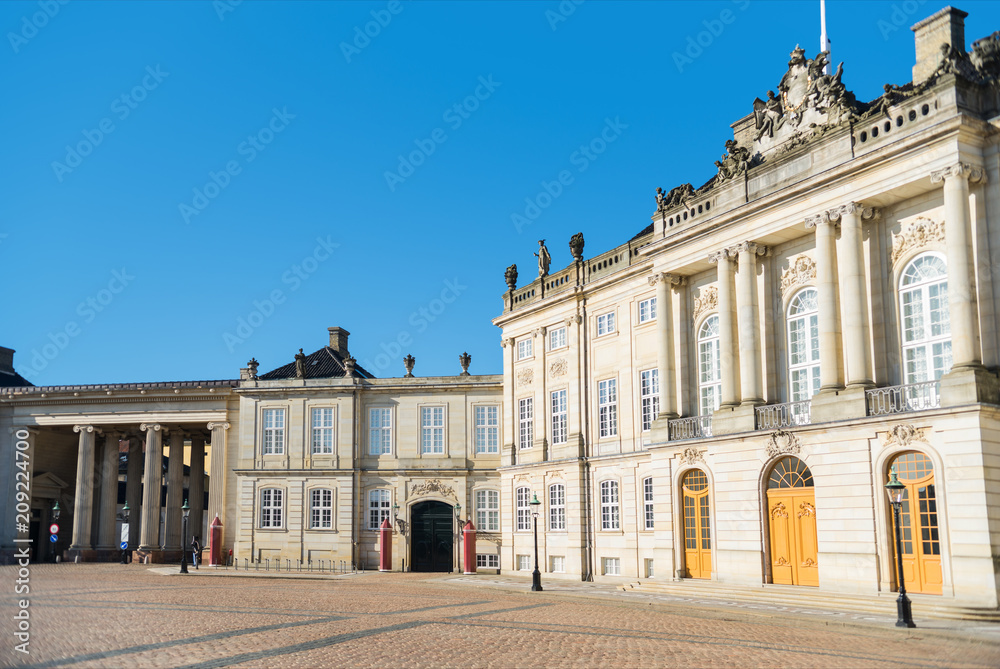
791 509
919 523
697 525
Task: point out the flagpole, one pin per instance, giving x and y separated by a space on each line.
824 43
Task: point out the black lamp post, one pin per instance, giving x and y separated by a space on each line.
896 490
536 576
458 524
55 517
125 520
186 510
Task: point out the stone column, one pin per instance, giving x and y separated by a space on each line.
108 509
852 289
727 340
830 369
574 396
665 345
83 506
175 491
133 490
150 536
217 474
196 485
543 408
749 335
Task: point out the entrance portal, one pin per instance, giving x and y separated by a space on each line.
433 536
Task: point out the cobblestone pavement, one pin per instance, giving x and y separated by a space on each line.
134 616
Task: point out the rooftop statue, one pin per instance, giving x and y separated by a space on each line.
544 259
734 163
769 115
677 196
300 365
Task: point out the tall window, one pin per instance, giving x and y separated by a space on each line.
606 323
272 509
379 431
803 345
557 506
526 429
487 429
647 502
524 348
709 367
274 431
523 508
378 508
649 394
557 338
610 517
923 300
607 402
322 431
647 310
432 429
559 417
321 509
488 510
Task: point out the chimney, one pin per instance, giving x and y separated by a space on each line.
945 27
338 341
6 360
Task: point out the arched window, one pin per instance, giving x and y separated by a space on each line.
803 345
919 522
926 330
709 368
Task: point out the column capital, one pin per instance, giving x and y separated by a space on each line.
224 426
667 278
155 427
574 320
818 219
718 256
87 428
540 332
504 342
858 208
753 248
974 173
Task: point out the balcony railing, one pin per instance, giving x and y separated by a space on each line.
694 427
775 416
900 399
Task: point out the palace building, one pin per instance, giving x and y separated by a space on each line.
722 397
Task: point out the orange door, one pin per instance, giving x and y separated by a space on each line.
697 526
791 509
919 523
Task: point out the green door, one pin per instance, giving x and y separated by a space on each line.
433 536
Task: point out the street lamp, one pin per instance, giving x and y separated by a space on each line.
458 524
184 537
55 510
125 525
895 490
536 576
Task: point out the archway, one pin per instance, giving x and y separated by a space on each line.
791 511
697 525
433 534
919 521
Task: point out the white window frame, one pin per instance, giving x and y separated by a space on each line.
523 562
710 378
557 338
525 348
647 310
522 507
487 510
610 505
272 509
557 507
273 431
607 408
380 435
557 564
487 561
525 423
379 507
323 435
321 509
432 430
647 503
558 403
649 397
611 566
605 324
487 417
803 322
924 346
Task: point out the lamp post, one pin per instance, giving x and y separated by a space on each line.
55 519
458 524
536 576
125 526
895 490
184 537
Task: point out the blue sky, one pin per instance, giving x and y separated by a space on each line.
174 170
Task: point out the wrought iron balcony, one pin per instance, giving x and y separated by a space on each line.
776 416
694 427
901 399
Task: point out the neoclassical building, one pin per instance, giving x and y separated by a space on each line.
722 397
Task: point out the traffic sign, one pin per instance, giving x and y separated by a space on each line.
53 529
124 545
53 538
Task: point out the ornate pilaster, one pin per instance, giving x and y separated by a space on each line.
83 507
175 491
133 489
727 340
108 508
830 369
149 538
664 283
217 473
851 270
749 332
196 485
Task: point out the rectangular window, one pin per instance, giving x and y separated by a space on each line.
647 502
524 348
649 567
272 508
607 398
488 510
611 566
432 430
557 564
321 509
649 394
322 431
487 429
559 417
647 310
606 323
379 431
557 506
378 508
610 518
521 500
524 563
557 338
487 561
526 423
274 431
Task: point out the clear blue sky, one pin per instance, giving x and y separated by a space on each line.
309 127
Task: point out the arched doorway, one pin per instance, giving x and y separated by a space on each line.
921 542
433 536
697 525
791 511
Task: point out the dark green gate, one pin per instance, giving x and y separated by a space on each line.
433 536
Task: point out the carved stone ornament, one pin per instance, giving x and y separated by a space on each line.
801 270
919 234
782 443
576 246
903 435
707 300
691 455
525 377
465 360
558 367
431 487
